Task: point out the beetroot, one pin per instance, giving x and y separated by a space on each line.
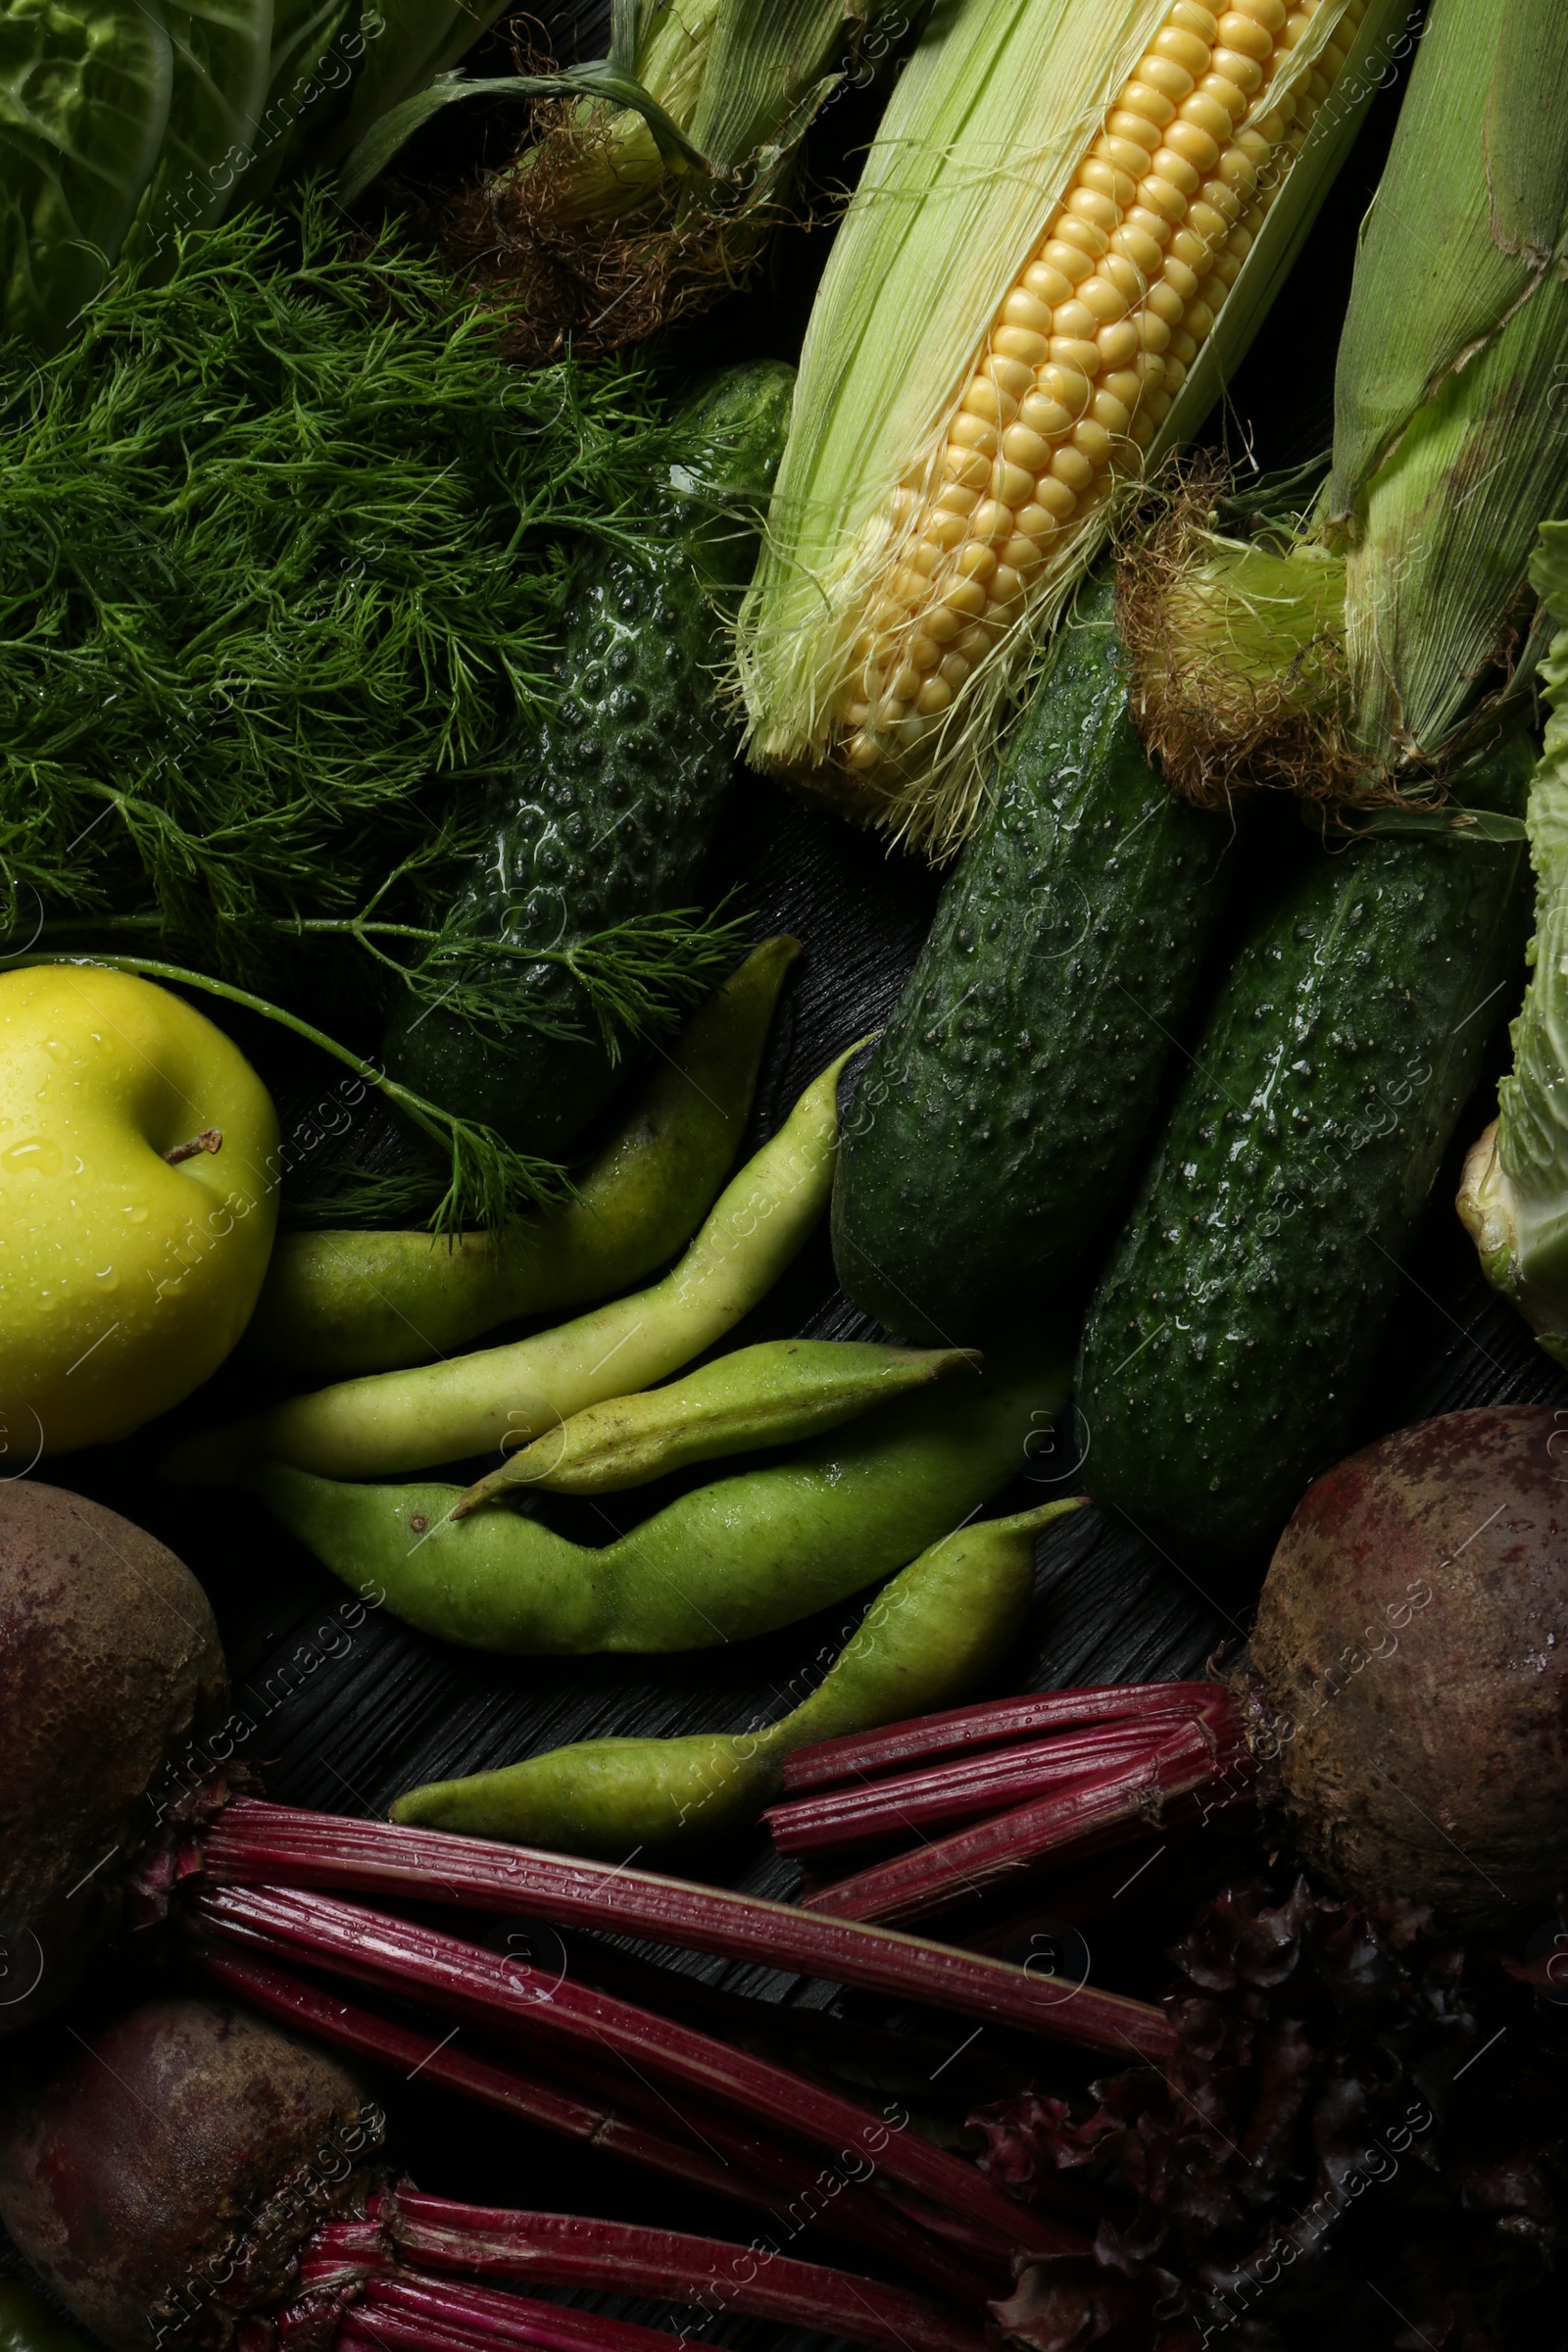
183 2156
1403 1703
109 1665
194 2174
1409 1665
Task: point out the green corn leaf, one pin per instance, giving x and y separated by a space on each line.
596 79
1449 441
766 69
1515 1197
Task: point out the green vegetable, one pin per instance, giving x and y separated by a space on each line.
283 550
721 1564
650 189
998 1122
769 1395
84 101
1373 654
1514 1197
931 1636
603 816
123 124
1227 1347
443 1412
221 55
29 2324
338 1304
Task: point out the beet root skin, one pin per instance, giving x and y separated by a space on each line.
164 2174
1408 1676
108 1664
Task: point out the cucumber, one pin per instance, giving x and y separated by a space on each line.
608 809
1228 1347
999 1123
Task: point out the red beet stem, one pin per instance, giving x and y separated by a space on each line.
564 2249
924 2236
260 1844
1121 1801
409 2308
371 2329
962 1730
327 2017
722 2157
910 1803
373 1948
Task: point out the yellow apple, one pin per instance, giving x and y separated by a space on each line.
138 1173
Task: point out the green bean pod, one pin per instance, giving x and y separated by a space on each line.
931 1638
335 1304
772 1394
501 1397
740 1558
27 2324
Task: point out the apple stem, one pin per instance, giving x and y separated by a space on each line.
210 1139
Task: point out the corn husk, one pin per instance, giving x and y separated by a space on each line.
1449 449
991 115
1514 1197
1451 435
651 190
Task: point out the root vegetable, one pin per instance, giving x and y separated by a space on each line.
1403 1703
109 1665
193 2170
162 1830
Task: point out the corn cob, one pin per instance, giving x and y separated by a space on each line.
883 653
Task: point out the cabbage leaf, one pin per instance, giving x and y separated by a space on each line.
85 88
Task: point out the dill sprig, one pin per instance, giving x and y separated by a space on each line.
280 557
284 556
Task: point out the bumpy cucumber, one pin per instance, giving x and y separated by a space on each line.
610 807
998 1124
1228 1347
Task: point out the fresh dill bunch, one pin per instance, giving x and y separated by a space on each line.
283 550
284 553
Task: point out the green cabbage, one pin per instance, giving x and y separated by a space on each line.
124 123
85 103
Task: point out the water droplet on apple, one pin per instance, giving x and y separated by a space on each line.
57 1049
35 1155
107 1279
135 1212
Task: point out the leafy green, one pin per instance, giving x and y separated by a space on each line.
123 121
282 556
84 102
222 59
